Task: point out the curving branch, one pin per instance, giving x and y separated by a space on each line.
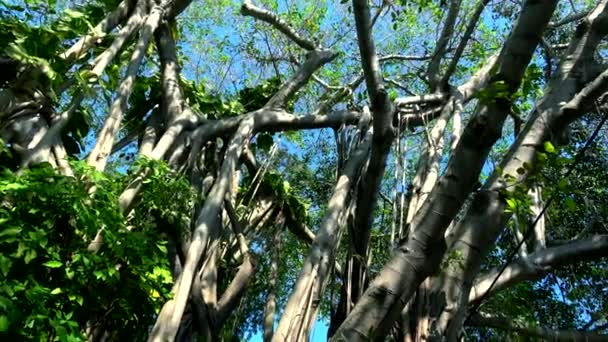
303 303
420 255
442 43
539 263
482 320
567 20
106 25
100 153
468 32
238 286
249 9
586 99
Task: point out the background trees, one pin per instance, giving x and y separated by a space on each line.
408 170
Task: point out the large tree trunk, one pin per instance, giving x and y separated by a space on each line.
468 239
420 256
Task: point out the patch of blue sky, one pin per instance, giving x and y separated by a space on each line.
318 333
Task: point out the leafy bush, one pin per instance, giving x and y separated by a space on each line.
52 287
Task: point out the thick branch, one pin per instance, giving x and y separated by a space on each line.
540 263
135 21
314 60
105 140
420 255
250 9
468 239
381 106
542 332
302 306
106 25
446 34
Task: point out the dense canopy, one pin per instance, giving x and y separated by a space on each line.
279 170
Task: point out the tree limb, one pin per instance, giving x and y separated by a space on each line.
249 9
541 332
302 306
420 255
106 25
463 41
446 34
539 263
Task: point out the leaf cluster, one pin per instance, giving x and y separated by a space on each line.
52 287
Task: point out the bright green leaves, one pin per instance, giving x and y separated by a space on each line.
18 53
517 204
166 195
530 90
549 148
53 264
47 220
5 265
3 323
494 91
34 36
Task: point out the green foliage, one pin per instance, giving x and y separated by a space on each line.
41 45
274 183
215 107
255 97
52 287
494 91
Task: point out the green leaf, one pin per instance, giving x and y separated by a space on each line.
10 231
549 148
5 264
570 204
53 264
56 291
3 323
69 273
286 187
30 255
99 275
542 157
563 184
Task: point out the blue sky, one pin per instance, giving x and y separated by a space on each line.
318 334
225 31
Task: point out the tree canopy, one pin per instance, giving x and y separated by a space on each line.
422 170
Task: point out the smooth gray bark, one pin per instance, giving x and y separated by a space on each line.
546 334
421 254
539 263
105 140
301 309
548 119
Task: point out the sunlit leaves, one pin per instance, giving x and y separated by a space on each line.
58 284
